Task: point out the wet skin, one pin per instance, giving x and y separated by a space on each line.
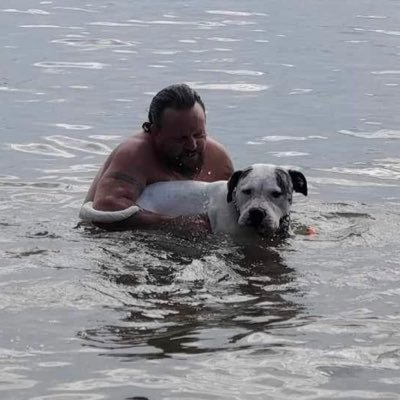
178 150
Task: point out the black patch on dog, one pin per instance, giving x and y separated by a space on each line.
234 180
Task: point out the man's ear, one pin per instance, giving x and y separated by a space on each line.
299 182
232 183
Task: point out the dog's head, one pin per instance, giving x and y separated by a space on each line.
262 195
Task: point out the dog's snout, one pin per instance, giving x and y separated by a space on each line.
256 216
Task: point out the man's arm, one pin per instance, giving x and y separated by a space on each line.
118 190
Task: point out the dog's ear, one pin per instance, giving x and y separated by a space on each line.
232 183
234 180
299 182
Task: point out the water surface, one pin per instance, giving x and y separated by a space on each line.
93 315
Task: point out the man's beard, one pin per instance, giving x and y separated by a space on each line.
187 163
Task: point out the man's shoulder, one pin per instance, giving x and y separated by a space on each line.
136 147
216 148
218 160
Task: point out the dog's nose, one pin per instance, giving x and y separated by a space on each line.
256 216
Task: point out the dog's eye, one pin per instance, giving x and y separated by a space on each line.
246 191
276 194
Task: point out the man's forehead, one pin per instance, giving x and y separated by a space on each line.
195 113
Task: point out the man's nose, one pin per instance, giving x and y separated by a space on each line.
190 143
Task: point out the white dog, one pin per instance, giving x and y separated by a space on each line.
257 198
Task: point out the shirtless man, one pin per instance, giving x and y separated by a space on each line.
173 145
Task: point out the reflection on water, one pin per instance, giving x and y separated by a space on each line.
173 290
93 315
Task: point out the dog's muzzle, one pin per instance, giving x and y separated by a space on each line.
256 217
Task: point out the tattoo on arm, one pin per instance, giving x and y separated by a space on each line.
122 176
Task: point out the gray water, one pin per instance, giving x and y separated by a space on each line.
92 315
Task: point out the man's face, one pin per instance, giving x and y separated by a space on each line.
181 140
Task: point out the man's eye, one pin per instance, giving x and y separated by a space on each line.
246 191
276 194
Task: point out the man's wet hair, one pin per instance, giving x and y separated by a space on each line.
178 97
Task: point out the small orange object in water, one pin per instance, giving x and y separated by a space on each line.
311 230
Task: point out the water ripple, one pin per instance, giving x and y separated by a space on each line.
42 149
68 64
280 138
71 396
300 91
223 39
380 134
73 127
235 13
85 146
280 154
236 87
386 72
372 16
347 182
376 172
41 198
234 72
32 11
107 23
94 44
48 26
75 9
12 380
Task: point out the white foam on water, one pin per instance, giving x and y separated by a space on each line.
300 91
386 72
281 154
41 26
162 22
80 87
235 13
73 127
106 23
223 39
282 138
347 182
385 32
32 11
105 137
234 72
67 64
380 134
236 87
372 16
375 172
166 52
75 9
237 22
